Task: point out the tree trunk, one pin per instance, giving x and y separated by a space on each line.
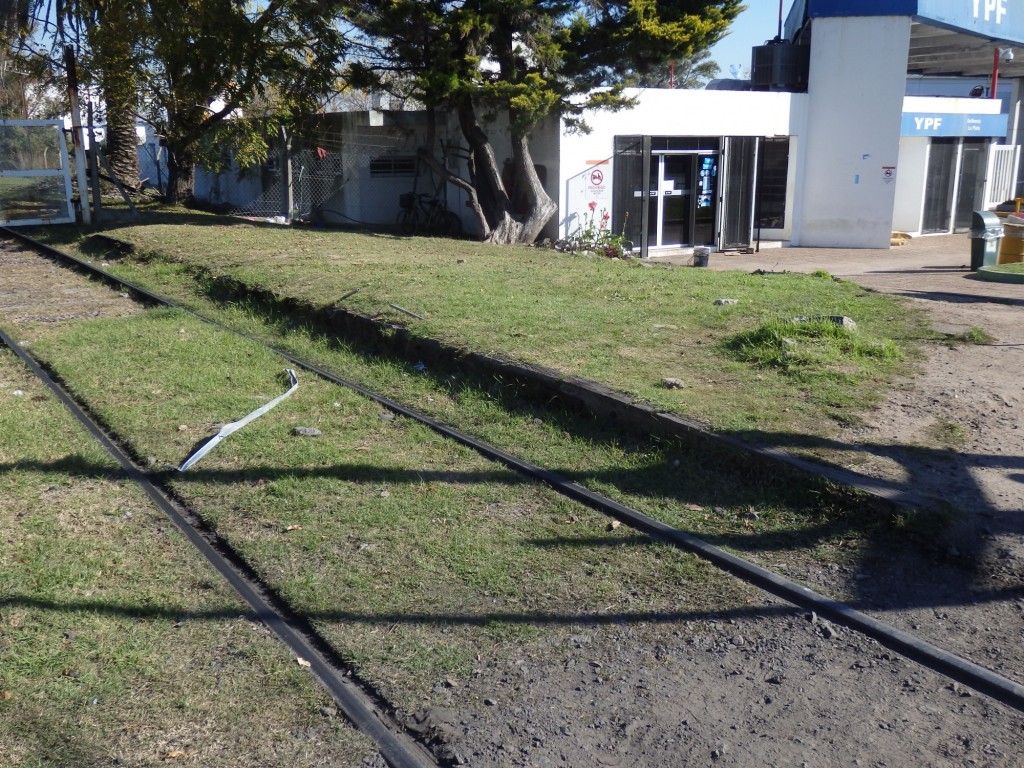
112 37
541 206
181 173
122 144
492 203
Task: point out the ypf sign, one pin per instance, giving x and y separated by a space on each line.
990 10
995 19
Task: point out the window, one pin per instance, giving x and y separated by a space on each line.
772 183
393 166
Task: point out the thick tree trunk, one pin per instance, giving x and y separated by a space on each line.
181 173
492 202
122 145
541 206
113 38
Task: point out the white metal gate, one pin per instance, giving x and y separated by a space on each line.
1003 160
35 176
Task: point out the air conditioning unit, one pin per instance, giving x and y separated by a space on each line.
779 66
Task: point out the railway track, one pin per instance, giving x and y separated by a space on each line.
361 706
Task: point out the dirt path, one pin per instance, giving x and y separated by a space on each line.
972 392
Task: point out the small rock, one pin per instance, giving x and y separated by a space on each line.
489 702
775 679
306 432
328 711
386 416
460 261
827 630
670 383
726 302
17 393
842 320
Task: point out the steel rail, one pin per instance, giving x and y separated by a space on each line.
923 652
397 749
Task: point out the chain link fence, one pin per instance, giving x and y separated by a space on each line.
353 182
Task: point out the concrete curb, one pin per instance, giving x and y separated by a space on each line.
993 275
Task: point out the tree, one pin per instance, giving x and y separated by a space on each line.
527 61
191 67
692 72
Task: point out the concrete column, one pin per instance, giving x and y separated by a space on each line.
848 176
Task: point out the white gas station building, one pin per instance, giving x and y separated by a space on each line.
866 117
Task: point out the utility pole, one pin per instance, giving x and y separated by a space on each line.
76 135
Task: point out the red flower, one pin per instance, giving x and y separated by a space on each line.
592 205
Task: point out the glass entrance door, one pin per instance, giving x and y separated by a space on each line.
938 188
970 194
670 201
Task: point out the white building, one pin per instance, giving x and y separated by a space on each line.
871 116
862 142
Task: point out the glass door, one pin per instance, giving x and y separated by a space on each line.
738 202
670 201
970 195
938 187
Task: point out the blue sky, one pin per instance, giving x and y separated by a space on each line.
760 22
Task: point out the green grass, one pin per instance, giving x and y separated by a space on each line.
971 336
947 434
117 643
626 325
810 349
1016 269
412 555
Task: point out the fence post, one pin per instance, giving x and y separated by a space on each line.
287 193
76 134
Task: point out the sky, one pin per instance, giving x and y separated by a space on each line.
760 22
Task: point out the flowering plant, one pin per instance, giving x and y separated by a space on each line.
595 235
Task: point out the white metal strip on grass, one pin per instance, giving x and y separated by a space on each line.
234 426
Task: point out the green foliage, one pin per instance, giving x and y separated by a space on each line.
201 64
597 236
973 335
808 349
530 58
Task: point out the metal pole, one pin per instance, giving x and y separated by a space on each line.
94 167
287 193
76 134
645 209
995 73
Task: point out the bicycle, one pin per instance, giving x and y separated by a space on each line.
421 212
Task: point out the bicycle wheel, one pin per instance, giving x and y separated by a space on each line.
407 222
450 225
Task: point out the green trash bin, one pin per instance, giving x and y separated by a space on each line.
986 235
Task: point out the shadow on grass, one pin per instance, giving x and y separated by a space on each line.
68 235
384 618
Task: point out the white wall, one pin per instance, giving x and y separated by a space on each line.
855 90
667 112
